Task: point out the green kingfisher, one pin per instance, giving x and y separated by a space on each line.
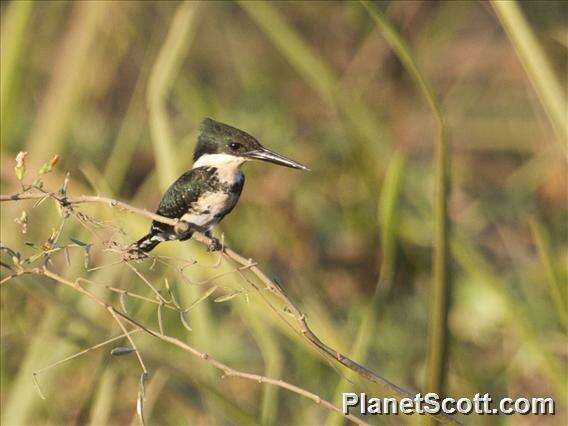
207 192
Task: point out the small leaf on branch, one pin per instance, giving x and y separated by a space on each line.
122 350
22 221
36 385
20 167
160 317
184 321
88 256
48 167
122 299
79 243
141 398
44 169
63 189
171 294
202 298
9 250
87 247
53 237
6 266
227 297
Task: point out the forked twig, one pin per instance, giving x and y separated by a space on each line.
274 287
84 351
227 371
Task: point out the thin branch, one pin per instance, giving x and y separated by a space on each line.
148 283
125 331
121 291
228 371
304 328
91 199
84 351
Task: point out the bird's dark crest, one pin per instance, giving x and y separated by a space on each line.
213 134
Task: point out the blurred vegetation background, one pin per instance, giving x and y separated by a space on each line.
117 89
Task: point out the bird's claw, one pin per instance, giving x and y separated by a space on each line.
214 245
133 253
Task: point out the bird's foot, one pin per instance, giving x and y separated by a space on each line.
133 252
134 255
214 245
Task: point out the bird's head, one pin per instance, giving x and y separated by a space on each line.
220 143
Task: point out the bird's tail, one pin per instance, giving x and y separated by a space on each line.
147 243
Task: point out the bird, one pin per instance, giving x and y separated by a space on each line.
205 194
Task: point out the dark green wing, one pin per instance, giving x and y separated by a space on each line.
179 196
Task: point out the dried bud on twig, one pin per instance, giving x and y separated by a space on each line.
22 221
20 167
53 162
121 350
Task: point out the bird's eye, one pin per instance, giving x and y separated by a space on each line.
235 146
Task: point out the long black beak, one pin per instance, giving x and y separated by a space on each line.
265 154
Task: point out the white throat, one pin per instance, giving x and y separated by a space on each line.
220 161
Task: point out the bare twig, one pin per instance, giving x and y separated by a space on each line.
91 199
274 287
84 351
228 371
113 312
148 283
126 293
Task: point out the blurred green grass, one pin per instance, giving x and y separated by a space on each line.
117 89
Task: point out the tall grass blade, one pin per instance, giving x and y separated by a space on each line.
438 328
65 87
23 400
14 25
371 139
162 77
387 219
267 341
473 262
130 131
285 38
555 289
537 66
141 398
104 398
